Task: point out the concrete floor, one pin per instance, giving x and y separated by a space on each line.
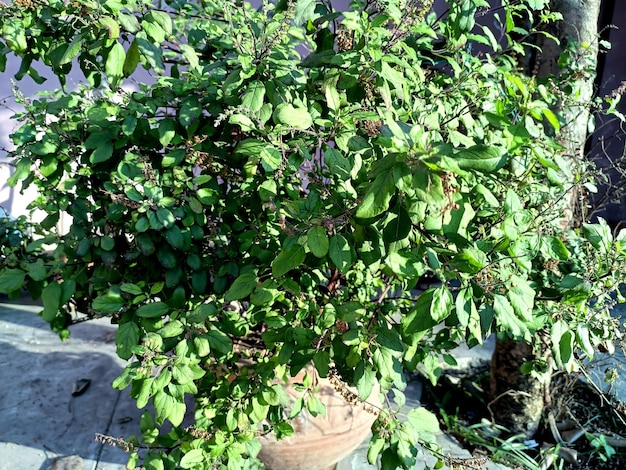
41 421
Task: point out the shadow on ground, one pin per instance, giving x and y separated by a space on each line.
42 420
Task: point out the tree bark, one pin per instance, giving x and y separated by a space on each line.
518 400
580 25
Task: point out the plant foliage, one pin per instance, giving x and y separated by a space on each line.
271 183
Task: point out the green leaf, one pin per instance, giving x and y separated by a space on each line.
72 50
268 190
259 410
44 147
37 270
482 158
442 303
423 421
399 227
405 265
340 252
132 59
296 407
337 163
219 341
599 234
111 26
365 379
168 407
388 366
264 293
575 289
419 320
126 338
110 302
470 260
153 30
464 304
145 391
242 121
506 318
51 297
552 119
163 19
175 237
488 195
167 131
305 10
14 33
129 22
165 217
333 101
287 260
130 123
114 66
201 313
102 153
171 329
512 202
152 54
458 219
242 287
182 373
271 159
315 406
562 338
153 310
207 196
296 118
11 280
98 139
522 297
317 241
254 96
191 55
377 198
376 445
189 111
193 459
202 345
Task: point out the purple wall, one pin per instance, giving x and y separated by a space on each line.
607 146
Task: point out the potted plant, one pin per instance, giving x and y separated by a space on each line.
267 200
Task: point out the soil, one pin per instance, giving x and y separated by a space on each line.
579 415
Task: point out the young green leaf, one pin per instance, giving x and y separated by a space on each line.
126 338
153 310
242 287
287 260
482 158
317 241
340 252
11 280
109 302
114 67
297 118
377 198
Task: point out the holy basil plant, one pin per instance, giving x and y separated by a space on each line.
270 183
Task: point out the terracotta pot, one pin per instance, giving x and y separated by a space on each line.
319 443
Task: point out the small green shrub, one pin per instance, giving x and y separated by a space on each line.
306 166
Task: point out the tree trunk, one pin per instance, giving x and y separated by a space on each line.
580 25
518 400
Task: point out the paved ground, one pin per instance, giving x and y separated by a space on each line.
41 422
44 427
